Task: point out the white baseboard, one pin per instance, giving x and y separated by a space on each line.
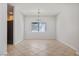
17 42
67 45
77 52
40 39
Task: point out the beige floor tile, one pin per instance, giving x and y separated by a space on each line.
40 48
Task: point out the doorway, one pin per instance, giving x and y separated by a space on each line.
10 24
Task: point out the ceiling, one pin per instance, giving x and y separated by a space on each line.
32 8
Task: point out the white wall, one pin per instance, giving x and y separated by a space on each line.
18 26
50 30
3 28
68 25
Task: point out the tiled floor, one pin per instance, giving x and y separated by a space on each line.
40 48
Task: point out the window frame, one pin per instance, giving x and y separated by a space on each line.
38 23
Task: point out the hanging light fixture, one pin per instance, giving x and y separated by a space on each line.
38 15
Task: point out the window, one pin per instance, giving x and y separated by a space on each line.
38 27
35 27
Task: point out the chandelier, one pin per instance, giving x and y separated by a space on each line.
38 15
